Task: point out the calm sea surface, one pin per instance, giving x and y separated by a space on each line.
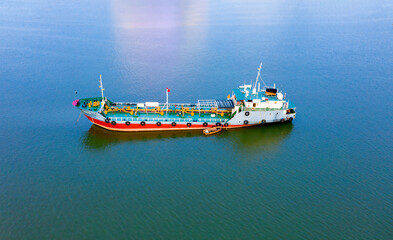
327 175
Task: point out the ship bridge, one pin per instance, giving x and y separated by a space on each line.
270 94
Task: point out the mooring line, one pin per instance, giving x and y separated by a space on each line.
78 118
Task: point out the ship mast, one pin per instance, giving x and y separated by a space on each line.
102 91
258 77
256 81
167 101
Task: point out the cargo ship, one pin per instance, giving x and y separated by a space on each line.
247 105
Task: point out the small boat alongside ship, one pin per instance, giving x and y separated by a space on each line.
212 130
248 105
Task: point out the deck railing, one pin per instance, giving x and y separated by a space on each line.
263 109
170 120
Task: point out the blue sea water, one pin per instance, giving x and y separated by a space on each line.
326 175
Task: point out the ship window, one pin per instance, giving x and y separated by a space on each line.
254 104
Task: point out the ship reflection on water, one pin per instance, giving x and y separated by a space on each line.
266 137
99 138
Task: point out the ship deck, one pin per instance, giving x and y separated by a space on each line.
143 116
174 112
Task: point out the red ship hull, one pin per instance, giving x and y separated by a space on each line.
153 127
